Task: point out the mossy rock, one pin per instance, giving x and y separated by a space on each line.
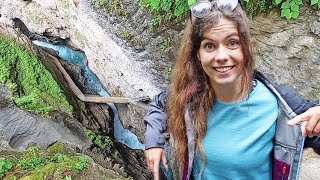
34 176
57 162
57 147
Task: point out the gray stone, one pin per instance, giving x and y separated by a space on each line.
22 129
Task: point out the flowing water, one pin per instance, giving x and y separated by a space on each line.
78 58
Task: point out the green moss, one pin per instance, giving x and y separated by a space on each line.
134 40
129 178
56 147
31 84
33 176
43 164
165 44
65 4
36 19
118 9
48 169
168 70
111 6
12 177
78 35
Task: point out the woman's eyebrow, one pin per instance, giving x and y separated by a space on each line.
233 34
228 36
206 38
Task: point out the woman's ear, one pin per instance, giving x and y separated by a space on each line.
198 56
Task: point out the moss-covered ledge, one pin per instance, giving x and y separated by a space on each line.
59 161
32 86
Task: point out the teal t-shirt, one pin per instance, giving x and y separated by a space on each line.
239 139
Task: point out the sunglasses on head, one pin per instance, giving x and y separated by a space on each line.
204 7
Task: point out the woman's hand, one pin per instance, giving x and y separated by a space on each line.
153 156
311 122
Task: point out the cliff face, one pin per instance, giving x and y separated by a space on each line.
289 50
22 129
132 60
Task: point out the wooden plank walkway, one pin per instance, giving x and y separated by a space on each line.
98 99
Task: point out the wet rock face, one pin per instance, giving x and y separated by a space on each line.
91 115
22 129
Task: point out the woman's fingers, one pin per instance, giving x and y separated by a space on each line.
164 160
311 119
153 156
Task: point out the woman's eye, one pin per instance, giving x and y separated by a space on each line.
233 44
208 46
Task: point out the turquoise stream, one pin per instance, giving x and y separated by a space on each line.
78 58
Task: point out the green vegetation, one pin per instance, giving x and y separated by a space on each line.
165 44
5 166
32 86
290 9
111 6
129 178
99 140
134 40
42 164
167 10
255 7
168 71
65 3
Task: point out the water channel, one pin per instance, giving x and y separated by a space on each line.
78 58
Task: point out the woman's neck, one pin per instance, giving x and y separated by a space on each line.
229 92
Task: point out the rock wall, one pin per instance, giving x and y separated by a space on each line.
289 51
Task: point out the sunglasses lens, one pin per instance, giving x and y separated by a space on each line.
201 9
227 4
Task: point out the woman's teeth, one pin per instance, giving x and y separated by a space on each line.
223 69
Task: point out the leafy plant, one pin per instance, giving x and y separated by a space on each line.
5 166
31 159
99 140
81 164
166 10
255 7
165 44
289 8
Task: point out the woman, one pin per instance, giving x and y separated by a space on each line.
226 120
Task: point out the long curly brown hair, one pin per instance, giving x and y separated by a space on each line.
190 85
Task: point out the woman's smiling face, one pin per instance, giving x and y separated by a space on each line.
221 54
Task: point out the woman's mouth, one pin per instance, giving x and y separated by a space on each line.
223 69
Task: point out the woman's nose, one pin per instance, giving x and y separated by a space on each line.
222 54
